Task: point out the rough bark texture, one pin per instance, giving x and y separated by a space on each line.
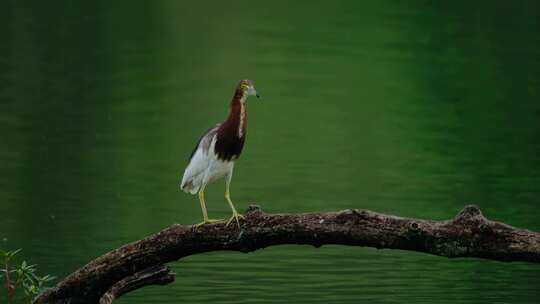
158 275
469 234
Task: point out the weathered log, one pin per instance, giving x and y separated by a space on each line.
469 234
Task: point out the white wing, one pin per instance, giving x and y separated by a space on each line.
201 159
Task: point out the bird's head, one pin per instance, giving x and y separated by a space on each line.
245 88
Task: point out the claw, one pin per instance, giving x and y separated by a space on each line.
208 221
235 216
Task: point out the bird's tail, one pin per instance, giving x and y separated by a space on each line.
189 187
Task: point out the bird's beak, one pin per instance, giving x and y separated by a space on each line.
253 92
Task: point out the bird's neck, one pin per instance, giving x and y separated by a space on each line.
237 119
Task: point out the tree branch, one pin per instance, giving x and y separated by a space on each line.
158 275
469 234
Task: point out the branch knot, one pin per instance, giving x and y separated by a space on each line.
254 211
468 214
414 227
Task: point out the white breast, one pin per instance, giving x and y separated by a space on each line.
204 167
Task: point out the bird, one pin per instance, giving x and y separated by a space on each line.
217 150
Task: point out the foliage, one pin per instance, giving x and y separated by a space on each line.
23 276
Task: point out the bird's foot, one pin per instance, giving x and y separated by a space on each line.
235 216
207 221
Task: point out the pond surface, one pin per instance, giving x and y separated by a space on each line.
413 109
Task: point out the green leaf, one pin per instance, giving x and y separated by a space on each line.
48 278
29 277
11 254
34 290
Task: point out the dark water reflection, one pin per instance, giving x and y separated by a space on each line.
410 108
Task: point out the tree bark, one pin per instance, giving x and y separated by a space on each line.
468 234
158 275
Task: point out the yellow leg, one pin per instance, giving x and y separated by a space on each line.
203 208
235 215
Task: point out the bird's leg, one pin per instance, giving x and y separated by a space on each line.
235 214
203 208
203 204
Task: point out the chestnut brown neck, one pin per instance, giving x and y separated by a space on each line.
232 132
237 120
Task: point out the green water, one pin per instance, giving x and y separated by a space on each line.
410 108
